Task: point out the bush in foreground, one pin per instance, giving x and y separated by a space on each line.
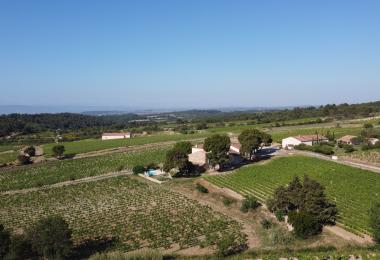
304 224
138 169
51 238
30 150
5 240
20 248
140 255
58 150
249 203
201 188
24 159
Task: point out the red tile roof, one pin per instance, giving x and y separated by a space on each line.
346 138
308 138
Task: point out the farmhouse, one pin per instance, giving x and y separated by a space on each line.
198 154
373 141
110 136
292 141
348 139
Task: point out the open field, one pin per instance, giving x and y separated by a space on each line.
4 148
59 171
90 145
135 213
6 157
352 189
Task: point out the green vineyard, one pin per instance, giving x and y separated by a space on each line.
59 171
354 190
133 212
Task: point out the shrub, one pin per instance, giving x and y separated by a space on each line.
138 169
266 224
201 188
280 215
20 248
58 150
31 151
248 203
228 201
348 148
365 147
23 159
5 240
228 246
152 165
304 224
139 255
375 222
50 237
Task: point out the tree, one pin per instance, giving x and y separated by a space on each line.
30 150
368 126
304 224
50 237
23 159
314 201
374 221
294 193
178 157
251 141
217 147
5 240
280 200
58 150
20 248
138 169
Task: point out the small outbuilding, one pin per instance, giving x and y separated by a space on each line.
373 141
292 141
349 139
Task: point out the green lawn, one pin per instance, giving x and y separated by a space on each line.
354 190
135 213
8 157
58 171
90 145
4 148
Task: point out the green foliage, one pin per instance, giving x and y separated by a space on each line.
304 224
147 254
249 203
23 159
227 245
178 157
5 240
50 237
227 201
308 197
280 215
374 221
323 148
217 147
58 150
266 224
348 148
138 169
20 248
201 188
251 140
30 150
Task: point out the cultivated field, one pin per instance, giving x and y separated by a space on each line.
90 145
133 212
6 157
353 190
59 171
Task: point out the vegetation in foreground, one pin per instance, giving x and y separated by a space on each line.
130 212
353 190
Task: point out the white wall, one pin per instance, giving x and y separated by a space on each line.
290 142
111 137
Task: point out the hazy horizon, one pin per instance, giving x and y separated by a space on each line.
189 54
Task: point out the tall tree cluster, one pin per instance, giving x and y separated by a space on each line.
217 147
308 198
252 140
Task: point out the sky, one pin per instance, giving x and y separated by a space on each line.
189 54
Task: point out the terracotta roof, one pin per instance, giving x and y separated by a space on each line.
347 138
115 134
308 138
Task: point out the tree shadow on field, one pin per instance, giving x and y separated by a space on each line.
92 246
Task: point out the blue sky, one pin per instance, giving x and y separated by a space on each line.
198 53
